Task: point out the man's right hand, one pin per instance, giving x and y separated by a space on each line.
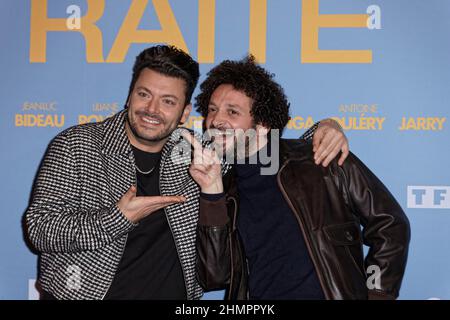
205 168
137 208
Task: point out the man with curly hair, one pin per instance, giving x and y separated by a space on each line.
295 234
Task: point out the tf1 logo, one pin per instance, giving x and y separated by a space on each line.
429 197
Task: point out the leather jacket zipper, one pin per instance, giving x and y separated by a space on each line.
230 243
297 216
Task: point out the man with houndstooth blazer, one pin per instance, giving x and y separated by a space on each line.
114 210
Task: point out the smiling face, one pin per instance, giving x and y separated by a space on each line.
155 108
229 113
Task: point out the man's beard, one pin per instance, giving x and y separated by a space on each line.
163 134
242 145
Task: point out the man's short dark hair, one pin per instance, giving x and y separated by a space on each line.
169 61
270 106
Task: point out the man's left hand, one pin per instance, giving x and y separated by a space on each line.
328 141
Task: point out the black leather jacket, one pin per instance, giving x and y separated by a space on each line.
330 204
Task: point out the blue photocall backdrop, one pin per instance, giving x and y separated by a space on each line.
379 67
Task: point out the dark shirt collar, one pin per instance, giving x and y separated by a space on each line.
252 165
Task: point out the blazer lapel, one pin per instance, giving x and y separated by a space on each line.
118 157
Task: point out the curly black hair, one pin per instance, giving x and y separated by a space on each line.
170 61
270 106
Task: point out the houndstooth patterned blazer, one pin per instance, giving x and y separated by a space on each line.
73 219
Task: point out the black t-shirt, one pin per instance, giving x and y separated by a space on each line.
150 267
